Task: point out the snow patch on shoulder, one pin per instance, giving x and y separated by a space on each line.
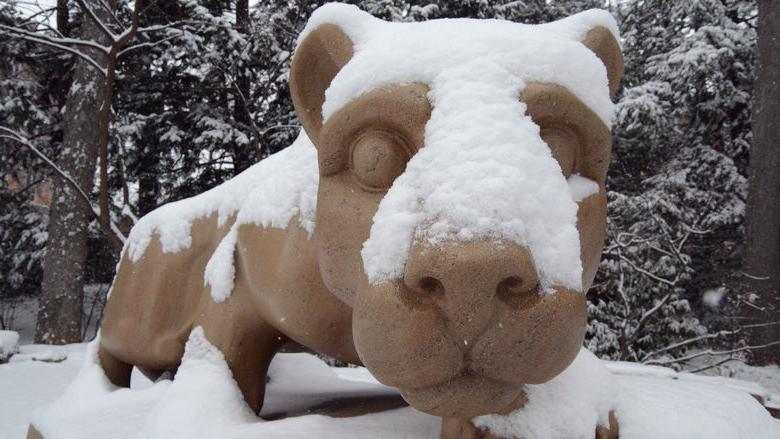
288 188
220 272
270 193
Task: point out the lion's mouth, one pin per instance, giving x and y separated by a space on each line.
466 395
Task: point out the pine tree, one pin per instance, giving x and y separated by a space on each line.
677 181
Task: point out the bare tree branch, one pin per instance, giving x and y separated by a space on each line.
88 10
649 274
15 136
710 352
53 42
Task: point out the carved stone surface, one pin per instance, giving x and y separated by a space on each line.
460 333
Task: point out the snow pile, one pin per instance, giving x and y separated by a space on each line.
420 51
269 194
203 401
567 407
649 402
9 344
484 171
759 381
91 392
649 408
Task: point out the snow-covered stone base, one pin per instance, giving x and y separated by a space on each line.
203 401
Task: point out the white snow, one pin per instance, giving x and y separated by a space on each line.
420 51
9 344
270 194
203 402
581 187
713 297
567 407
649 408
220 271
649 402
484 171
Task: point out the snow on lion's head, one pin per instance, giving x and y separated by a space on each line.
461 207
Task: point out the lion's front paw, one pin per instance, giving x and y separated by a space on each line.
460 428
610 432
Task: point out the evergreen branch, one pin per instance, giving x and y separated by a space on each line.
58 40
647 314
146 44
53 43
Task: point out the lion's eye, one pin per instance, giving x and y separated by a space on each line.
563 145
378 157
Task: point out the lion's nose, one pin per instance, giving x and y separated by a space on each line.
466 280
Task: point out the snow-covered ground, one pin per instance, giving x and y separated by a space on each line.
653 402
298 382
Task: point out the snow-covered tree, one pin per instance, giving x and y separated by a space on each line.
202 93
29 104
677 182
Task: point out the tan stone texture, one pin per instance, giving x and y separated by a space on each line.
459 335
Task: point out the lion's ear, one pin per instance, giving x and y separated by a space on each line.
317 60
601 41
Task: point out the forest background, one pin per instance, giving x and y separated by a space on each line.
110 108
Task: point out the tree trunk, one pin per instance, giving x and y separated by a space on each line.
60 310
243 155
762 250
63 18
63 82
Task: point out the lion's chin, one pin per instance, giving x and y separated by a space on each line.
464 396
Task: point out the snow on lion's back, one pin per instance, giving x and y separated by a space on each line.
481 147
270 193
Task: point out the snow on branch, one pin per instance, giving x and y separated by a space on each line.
10 134
63 44
710 352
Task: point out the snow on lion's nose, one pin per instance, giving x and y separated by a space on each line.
466 280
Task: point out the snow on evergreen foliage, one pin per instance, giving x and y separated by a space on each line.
28 104
677 180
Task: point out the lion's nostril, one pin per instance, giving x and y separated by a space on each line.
421 293
517 292
430 285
